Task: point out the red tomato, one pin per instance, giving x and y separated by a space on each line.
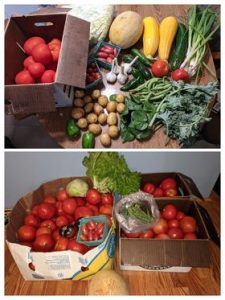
82 212
69 218
49 199
94 208
59 206
132 235
160 68
62 195
170 193
169 212
158 192
75 246
31 43
43 230
80 201
162 236
105 210
168 183
190 236
69 206
49 223
93 196
147 234
188 224
56 235
175 233
180 215
180 74
26 233
61 221
36 69
27 61
107 199
55 49
43 243
149 188
32 220
46 211
48 76
55 41
41 53
24 77
174 223
34 210
160 227
61 244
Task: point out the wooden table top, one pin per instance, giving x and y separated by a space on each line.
55 122
199 281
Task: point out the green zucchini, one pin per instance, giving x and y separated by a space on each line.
180 47
135 52
127 58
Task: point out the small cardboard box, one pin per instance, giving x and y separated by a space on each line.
72 64
57 264
168 255
186 186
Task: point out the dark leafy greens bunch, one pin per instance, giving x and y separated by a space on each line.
110 173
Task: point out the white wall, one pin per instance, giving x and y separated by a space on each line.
25 171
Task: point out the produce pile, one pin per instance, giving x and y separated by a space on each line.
167 188
155 79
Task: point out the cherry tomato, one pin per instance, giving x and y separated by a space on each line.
82 212
62 195
190 236
149 188
49 223
61 221
44 243
160 68
180 215
93 196
160 227
180 74
149 234
170 193
69 206
105 210
91 225
84 229
32 220
175 233
174 223
26 233
100 228
46 211
43 230
61 244
169 212
188 224
168 183
158 192
107 199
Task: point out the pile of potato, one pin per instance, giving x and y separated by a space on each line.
92 111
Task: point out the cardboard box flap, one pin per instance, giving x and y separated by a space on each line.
191 186
74 52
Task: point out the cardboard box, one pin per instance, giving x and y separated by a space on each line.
71 70
186 186
60 264
168 255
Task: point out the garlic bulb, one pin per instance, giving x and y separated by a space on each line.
122 76
128 67
111 76
117 68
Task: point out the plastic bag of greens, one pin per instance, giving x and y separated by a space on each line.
137 212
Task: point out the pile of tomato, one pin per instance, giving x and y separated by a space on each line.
52 225
173 224
166 188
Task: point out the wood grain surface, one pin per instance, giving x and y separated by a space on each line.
55 122
199 281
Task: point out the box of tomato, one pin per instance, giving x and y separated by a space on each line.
176 243
45 53
46 238
170 184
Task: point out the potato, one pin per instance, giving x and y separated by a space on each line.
82 123
77 113
87 99
103 100
113 131
95 128
112 119
120 98
92 118
96 94
111 106
120 107
98 109
78 102
79 94
105 139
89 107
102 118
